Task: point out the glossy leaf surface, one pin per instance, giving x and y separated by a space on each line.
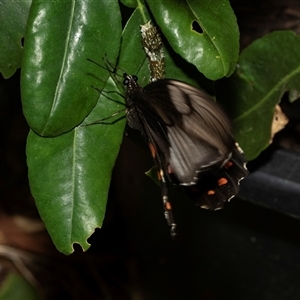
202 34
13 16
56 76
70 176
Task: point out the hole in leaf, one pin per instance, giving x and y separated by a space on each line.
22 42
196 27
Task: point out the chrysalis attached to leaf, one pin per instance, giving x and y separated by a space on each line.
153 47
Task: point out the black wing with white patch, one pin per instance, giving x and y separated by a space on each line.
196 132
190 141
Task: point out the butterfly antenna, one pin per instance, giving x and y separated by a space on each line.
109 67
101 121
109 92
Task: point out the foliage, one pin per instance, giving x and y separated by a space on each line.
70 165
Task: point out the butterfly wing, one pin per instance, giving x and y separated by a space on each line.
195 129
190 139
220 185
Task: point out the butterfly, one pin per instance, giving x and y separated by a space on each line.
190 140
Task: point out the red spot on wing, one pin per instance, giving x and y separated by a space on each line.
228 164
152 150
168 206
222 181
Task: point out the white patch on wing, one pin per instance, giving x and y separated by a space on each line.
178 99
188 156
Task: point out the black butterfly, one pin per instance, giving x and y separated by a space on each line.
190 139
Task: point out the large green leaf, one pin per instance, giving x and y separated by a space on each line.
267 69
13 17
56 76
70 175
205 33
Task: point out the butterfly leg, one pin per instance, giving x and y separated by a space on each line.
167 205
169 216
164 190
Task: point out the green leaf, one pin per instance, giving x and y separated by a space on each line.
56 76
70 175
207 34
132 58
15 287
177 68
267 69
130 3
13 16
152 173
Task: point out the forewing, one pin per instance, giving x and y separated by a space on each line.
196 128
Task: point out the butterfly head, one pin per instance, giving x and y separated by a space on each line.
132 87
129 80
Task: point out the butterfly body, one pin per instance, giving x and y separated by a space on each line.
189 137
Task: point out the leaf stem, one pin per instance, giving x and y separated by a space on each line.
142 8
